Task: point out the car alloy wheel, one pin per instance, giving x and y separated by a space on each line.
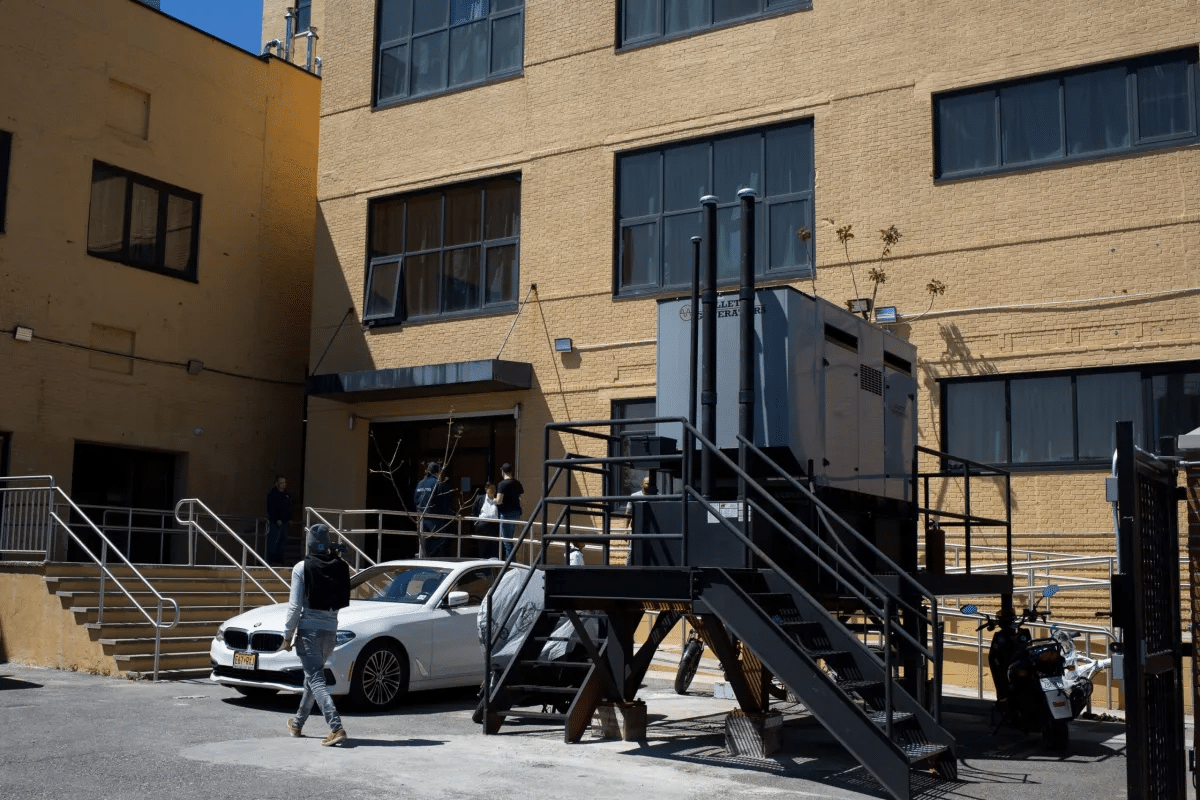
381 677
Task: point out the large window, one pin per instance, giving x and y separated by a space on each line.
429 46
1067 420
1083 114
649 20
143 222
628 479
658 207
447 251
5 153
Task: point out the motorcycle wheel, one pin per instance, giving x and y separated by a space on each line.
688 663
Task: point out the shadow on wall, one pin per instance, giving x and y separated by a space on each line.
956 360
339 343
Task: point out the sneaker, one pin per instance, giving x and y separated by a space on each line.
294 728
337 737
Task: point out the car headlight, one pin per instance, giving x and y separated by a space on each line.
220 635
343 637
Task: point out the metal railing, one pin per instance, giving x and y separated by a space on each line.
191 513
32 516
953 469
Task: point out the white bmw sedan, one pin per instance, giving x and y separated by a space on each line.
410 625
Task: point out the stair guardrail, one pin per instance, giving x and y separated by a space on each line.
185 514
49 497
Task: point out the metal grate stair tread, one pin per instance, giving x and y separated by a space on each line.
565 690
916 753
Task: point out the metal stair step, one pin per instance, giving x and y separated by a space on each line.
547 715
855 685
916 753
880 717
568 690
820 652
569 664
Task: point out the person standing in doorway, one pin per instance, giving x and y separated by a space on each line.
279 514
508 503
320 586
432 501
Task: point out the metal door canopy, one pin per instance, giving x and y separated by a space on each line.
829 386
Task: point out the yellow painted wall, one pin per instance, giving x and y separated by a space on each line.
864 73
36 629
238 130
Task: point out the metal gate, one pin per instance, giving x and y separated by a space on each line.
1146 608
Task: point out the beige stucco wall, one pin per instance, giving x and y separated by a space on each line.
36 628
864 73
238 130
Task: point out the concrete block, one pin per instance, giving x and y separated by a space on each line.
624 721
723 690
753 735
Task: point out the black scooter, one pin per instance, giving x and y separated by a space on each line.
1031 691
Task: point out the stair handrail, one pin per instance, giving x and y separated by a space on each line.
312 512
101 561
191 524
825 512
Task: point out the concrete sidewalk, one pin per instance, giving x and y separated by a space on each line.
68 734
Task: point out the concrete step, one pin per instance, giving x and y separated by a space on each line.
195 660
167 586
144 630
156 571
145 645
184 674
118 599
87 615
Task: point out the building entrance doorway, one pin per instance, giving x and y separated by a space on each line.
125 479
472 449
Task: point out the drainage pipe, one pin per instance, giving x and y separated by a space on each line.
746 348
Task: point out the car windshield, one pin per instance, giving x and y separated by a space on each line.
400 584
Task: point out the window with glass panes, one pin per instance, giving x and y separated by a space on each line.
452 250
1083 114
1067 419
650 20
143 223
658 206
431 46
303 15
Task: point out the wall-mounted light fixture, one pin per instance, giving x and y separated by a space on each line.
563 345
860 305
885 315
23 333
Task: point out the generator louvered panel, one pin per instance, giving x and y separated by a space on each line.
870 379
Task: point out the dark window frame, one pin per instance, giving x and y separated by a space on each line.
764 272
1137 143
5 159
1146 373
766 10
375 262
303 12
490 76
165 191
627 477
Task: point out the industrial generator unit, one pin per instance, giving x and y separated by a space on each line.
783 524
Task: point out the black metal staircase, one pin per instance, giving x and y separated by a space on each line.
789 583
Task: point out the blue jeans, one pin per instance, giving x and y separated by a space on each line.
508 530
276 541
315 648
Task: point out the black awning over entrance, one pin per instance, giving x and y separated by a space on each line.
429 380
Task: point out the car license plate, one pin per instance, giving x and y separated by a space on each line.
242 660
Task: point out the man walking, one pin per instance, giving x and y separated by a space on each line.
508 503
279 514
432 501
320 586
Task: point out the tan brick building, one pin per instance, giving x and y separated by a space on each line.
156 228
1037 159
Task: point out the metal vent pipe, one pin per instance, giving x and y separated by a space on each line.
708 319
287 36
746 326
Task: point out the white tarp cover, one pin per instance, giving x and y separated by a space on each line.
507 640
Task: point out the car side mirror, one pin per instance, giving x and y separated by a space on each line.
457 599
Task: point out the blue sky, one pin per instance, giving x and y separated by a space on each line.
238 22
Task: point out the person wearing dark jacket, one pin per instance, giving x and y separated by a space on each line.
279 514
320 586
432 497
508 503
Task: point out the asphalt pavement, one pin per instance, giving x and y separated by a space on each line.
72 735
